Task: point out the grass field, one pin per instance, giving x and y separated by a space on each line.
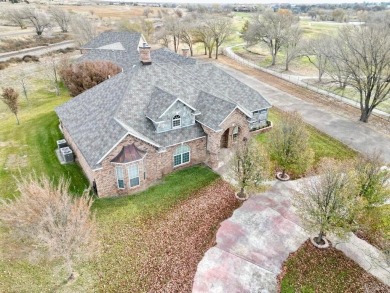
322 144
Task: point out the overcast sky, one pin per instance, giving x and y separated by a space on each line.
263 1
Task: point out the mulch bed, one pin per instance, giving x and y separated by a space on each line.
162 254
325 270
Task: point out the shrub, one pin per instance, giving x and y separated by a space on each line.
82 76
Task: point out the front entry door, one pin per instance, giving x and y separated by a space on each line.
225 139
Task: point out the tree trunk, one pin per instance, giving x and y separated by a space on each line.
216 51
319 237
17 119
365 114
283 173
210 53
286 66
273 59
205 49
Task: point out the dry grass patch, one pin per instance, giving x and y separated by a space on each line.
310 269
161 253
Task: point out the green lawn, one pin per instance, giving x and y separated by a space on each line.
29 147
322 144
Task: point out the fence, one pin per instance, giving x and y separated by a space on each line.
295 80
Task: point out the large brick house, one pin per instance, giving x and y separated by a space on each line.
163 112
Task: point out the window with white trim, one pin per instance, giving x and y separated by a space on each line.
120 177
176 121
133 175
181 155
235 133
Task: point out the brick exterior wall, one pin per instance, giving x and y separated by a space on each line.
78 155
236 118
154 165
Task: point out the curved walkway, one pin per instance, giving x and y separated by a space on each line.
253 244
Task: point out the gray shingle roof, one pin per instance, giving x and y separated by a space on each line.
213 110
98 118
160 102
128 40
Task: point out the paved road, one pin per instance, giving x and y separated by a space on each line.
37 51
352 133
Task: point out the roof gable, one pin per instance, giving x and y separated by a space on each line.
114 46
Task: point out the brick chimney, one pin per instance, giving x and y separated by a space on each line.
144 54
185 52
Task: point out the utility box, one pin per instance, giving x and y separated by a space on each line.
61 143
67 154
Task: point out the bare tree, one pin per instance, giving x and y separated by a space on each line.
327 202
335 68
39 19
147 28
10 97
163 36
317 52
187 34
61 17
289 144
221 29
249 166
271 28
292 46
82 29
364 52
23 83
147 11
203 34
173 28
48 219
52 74
15 16
82 76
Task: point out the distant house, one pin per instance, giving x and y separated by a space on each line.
163 112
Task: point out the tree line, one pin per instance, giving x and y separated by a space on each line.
358 56
41 20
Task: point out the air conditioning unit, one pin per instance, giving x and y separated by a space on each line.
67 154
61 143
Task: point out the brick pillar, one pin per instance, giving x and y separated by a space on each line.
185 52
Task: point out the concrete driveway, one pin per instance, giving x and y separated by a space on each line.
355 134
252 245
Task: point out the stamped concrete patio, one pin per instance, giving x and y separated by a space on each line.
253 244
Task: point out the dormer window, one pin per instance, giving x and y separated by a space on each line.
176 121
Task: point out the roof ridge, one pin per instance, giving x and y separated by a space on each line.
202 82
195 87
131 75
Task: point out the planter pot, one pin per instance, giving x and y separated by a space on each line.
279 176
246 196
325 245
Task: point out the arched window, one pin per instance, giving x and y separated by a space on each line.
181 155
176 121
